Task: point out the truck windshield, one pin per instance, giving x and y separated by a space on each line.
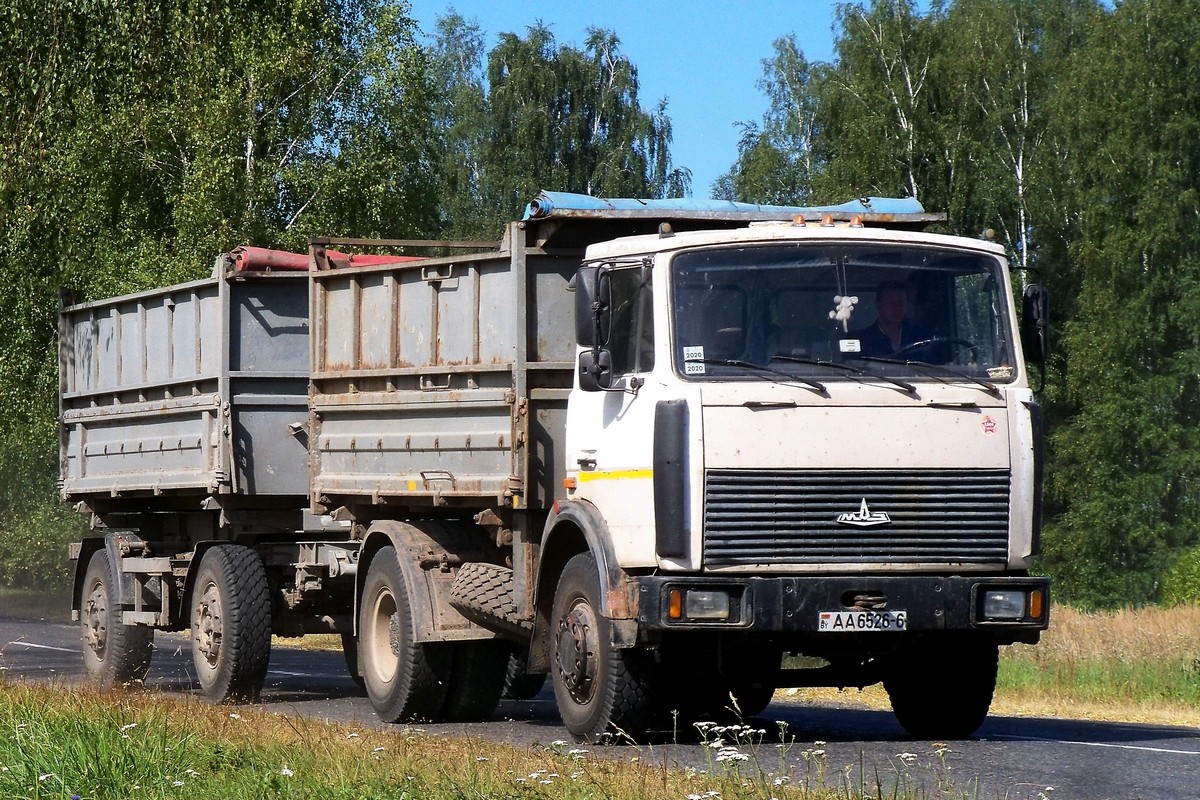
917 313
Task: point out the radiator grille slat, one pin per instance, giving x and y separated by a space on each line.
780 517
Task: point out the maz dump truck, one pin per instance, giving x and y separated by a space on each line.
653 451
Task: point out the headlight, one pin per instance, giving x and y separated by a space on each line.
706 604
1004 604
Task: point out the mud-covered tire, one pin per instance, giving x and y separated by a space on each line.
476 680
483 593
943 690
231 624
519 684
750 701
599 688
405 681
114 654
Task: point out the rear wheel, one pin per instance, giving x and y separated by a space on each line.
943 690
598 686
405 681
476 679
113 653
231 624
519 684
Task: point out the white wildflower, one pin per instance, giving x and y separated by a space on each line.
234 715
130 726
286 772
177 784
45 777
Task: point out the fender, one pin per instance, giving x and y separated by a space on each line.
573 527
429 552
88 548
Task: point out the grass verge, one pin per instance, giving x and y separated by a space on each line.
74 743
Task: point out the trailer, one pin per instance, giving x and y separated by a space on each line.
643 448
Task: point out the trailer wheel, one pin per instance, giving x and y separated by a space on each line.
476 680
598 686
943 691
114 654
231 624
405 681
519 684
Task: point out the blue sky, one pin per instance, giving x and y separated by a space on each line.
704 56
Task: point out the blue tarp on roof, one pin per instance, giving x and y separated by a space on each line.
548 204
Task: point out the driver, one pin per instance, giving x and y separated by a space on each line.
891 332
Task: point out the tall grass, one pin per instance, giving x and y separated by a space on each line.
1141 664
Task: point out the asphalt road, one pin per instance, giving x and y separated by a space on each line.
1010 758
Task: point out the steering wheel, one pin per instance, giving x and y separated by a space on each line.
959 344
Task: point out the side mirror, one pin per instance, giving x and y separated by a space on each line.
1035 323
592 306
595 370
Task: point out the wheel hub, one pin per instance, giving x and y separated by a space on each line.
576 653
206 626
95 625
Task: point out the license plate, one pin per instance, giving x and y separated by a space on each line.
861 621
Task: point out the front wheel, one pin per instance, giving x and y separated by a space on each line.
598 686
231 624
943 690
114 654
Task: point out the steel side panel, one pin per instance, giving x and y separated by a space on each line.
449 446
417 377
175 446
169 389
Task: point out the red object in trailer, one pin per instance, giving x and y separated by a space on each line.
263 259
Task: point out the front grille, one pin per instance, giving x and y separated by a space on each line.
781 517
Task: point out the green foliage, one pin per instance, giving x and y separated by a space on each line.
1181 583
543 115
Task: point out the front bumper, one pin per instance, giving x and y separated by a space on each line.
793 604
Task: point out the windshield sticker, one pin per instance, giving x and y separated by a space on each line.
843 310
850 345
1000 373
989 426
693 360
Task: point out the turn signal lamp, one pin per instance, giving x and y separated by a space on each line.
1035 603
675 604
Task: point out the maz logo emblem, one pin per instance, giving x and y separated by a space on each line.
864 517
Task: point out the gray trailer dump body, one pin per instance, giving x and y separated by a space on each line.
442 382
192 389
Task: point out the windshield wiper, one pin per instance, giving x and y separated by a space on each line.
932 368
734 362
857 373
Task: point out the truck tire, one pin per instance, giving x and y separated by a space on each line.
599 688
943 691
231 624
519 684
405 681
114 654
476 680
751 700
